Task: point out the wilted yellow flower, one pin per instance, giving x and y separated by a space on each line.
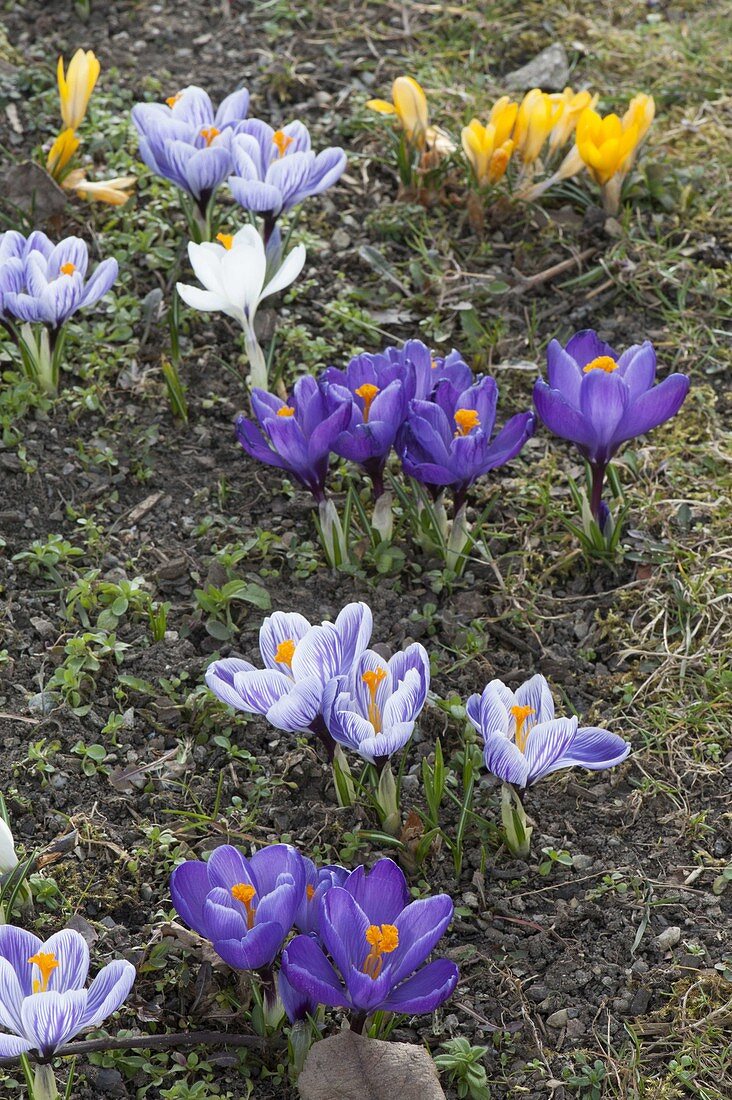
410 107
116 191
76 86
537 116
641 112
61 153
606 145
573 104
488 159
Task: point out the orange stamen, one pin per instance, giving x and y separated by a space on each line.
285 652
372 678
226 239
286 410
244 893
46 962
466 420
521 714
283 142
383 941
208 133
68 268
603 362
367 392
173 99
309 892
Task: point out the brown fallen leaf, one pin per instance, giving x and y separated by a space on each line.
30 187
350 1067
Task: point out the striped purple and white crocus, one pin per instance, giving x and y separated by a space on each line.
300 660
44 1001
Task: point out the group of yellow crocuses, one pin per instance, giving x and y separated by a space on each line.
533 134
75 87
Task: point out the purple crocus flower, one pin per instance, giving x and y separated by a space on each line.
245 907
367 963
300 660
46 283
275 170
317 881
599 400
43 999
524 741
373 710
297 435
185 141
297 1006
447 440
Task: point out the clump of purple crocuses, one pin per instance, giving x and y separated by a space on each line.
42 285
599 400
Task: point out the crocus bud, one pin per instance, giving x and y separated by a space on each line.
8 858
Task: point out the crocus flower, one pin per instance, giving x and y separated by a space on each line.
573 104
233 271
61 153
76 86
43 1002
298 435
8 855
115 192
317 881
46 283
524 741
379 389
185 141
537 115
373 710
608 146
599 399
299 660
367 964
274 170
410 107
447 440
297 1006
488 150
245 907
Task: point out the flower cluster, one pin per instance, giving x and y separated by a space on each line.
533 133
75 87
45 284
362 944
197 148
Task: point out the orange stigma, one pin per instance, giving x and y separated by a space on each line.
603 362
466 420
521 714
173 99
244 893
46 962
383 940
67 269
372 678
283 142
286 410
309 892
367 392
208 133
285 652
226 239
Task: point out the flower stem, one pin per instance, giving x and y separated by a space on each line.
513 816
358 1019
320 730
598 482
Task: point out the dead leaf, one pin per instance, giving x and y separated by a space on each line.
350 1067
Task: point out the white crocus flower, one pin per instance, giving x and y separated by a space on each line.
234 275
8 857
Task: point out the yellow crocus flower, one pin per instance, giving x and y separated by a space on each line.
488 159
503 116
76 86
61 153
409 105
573 104
641 112
116 191
537 116
606 145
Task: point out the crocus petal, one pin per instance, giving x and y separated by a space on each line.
224 917
535 693
11 1046
220 679
563 372
586 345
561 418
227 867
72 952
189 888
426 990
11 997
547 743
343 928
308 971
383 745
637 367
261 689
17 946
381 893
318 655
108 991
287 273
259 947
295 711
654 407
51 1019
203 300
420 926
604 401
255 195
280 627
503 759
353 625
595 749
